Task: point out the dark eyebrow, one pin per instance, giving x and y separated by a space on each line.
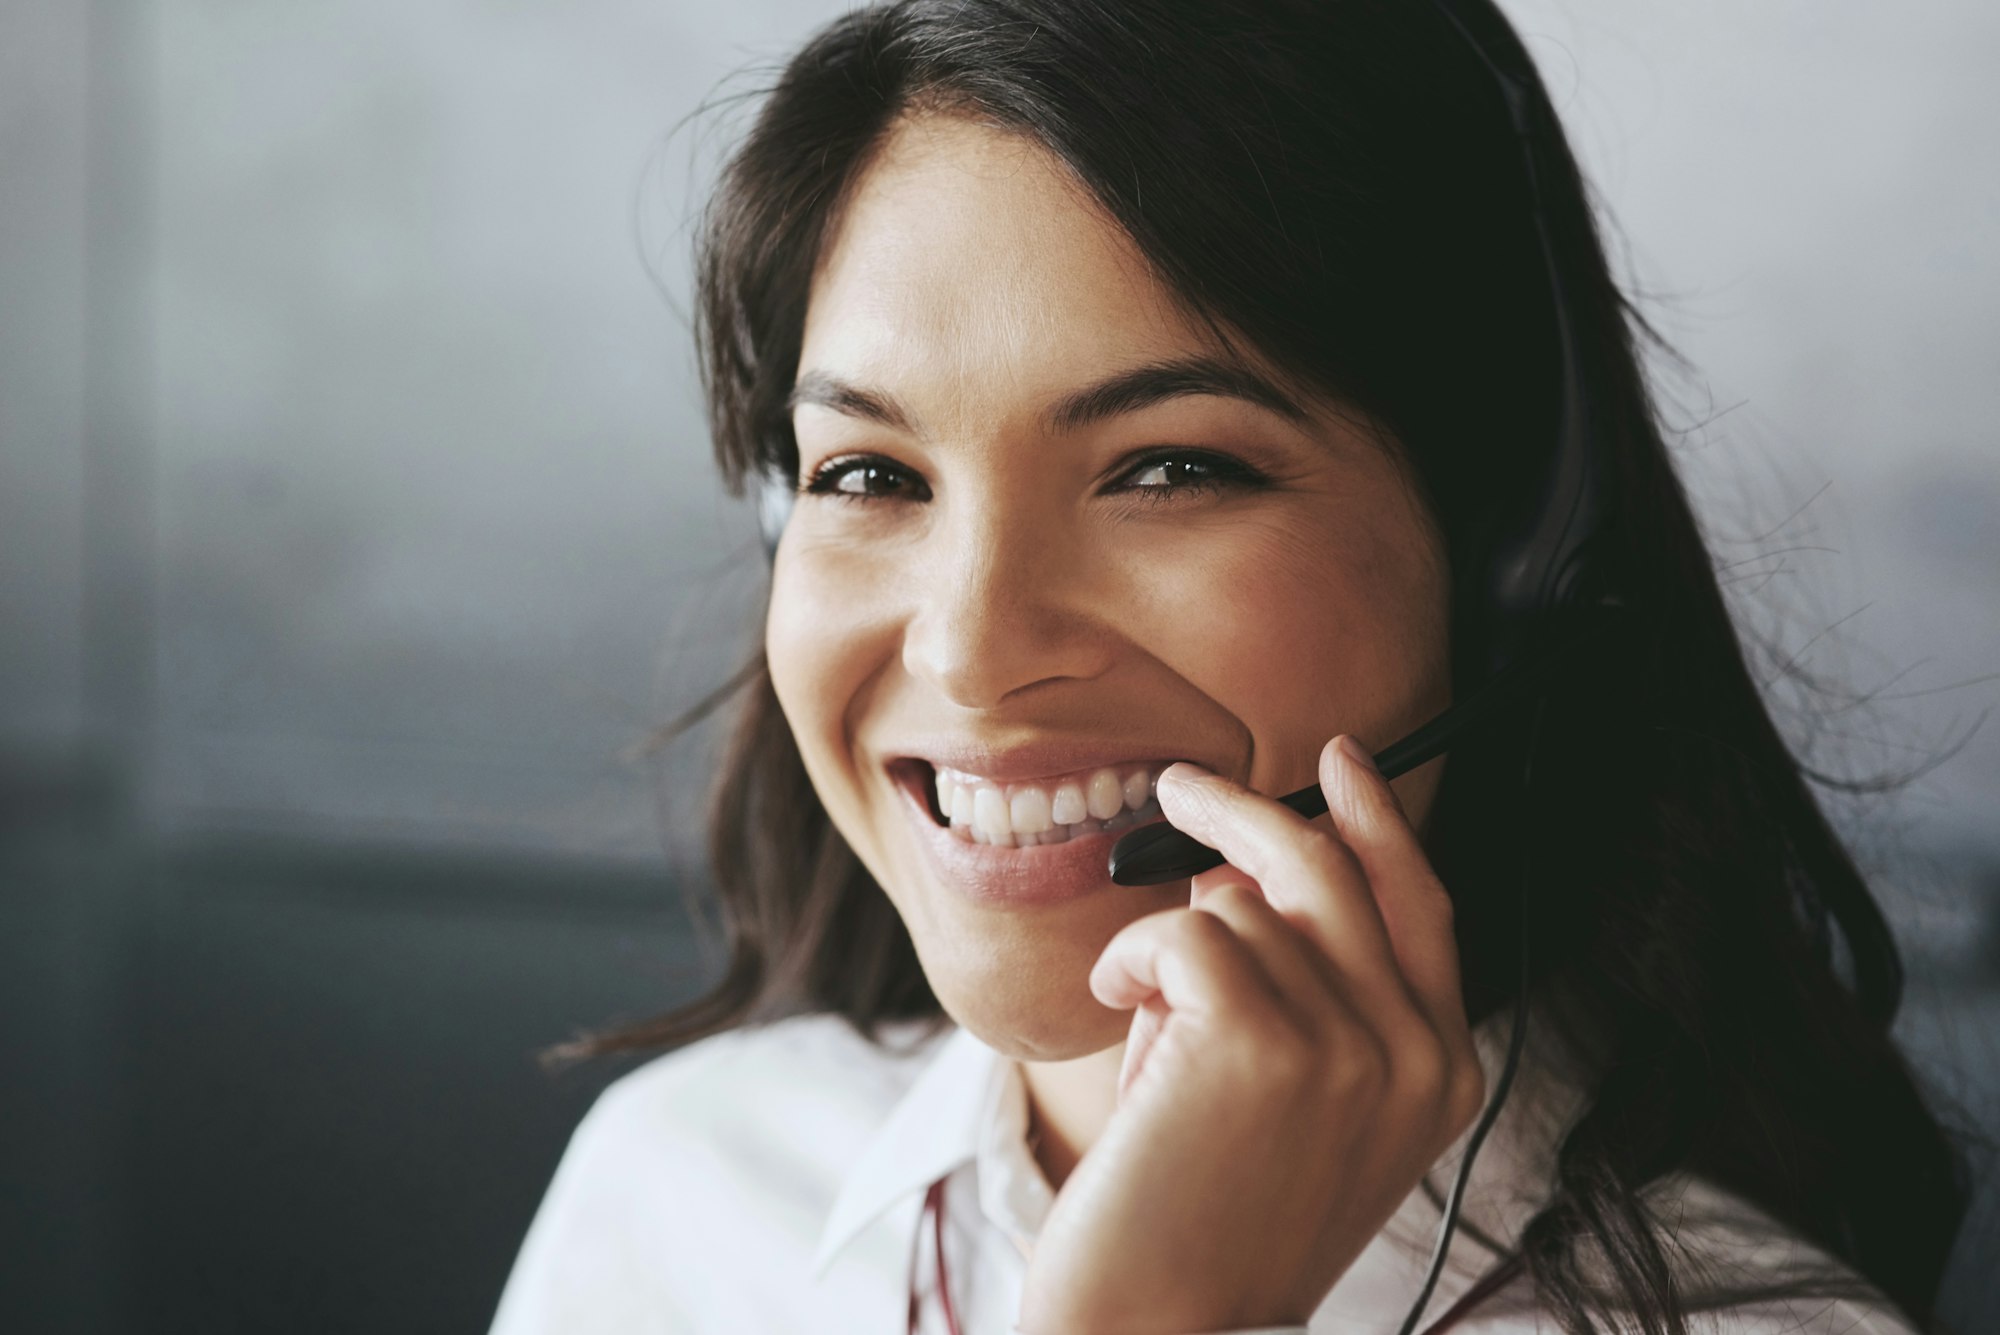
817 387
1125 392
1144 386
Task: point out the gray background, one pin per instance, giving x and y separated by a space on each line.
356 523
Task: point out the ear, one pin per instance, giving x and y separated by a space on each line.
774 507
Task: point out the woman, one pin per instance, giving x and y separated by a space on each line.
1158 392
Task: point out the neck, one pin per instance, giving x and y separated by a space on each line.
1069 1104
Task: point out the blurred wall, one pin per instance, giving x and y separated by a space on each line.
354 495
343 311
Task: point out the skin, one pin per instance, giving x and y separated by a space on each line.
1286 1029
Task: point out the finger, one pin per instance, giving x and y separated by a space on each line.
1147 1022
1415 909
1225 879
1202 882
1193 961
1304 977
1304 869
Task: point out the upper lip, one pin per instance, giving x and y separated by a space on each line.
1023 762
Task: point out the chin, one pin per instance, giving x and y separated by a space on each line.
1046 1038
1031 1006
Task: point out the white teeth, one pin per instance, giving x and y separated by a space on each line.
1138 789
990 816
1027 815
1105 796
1030 810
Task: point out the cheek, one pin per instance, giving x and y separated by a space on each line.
1300 635
822 641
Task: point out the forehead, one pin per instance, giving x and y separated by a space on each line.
969 256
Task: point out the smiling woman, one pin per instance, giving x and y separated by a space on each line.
1154 390
1035 467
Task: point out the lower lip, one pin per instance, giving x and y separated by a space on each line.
989 874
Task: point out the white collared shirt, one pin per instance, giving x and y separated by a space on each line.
772 1179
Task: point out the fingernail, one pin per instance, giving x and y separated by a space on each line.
1357 754
1185 771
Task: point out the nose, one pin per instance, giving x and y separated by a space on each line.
1005 601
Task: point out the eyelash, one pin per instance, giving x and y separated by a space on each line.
1224 472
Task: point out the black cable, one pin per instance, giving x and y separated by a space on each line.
1547 589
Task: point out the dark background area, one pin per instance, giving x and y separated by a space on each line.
257 1085
356 526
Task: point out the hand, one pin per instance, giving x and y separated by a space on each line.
1299 1057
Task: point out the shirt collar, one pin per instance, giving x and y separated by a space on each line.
969 1104
936 1127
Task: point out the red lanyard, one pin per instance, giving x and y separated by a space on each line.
934 1211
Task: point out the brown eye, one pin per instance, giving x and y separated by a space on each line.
1168 472
866 477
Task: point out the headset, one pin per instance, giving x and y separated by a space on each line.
1540 612
1542 616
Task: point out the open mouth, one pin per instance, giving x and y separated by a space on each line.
1026 815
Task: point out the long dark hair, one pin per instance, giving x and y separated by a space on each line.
1340 184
